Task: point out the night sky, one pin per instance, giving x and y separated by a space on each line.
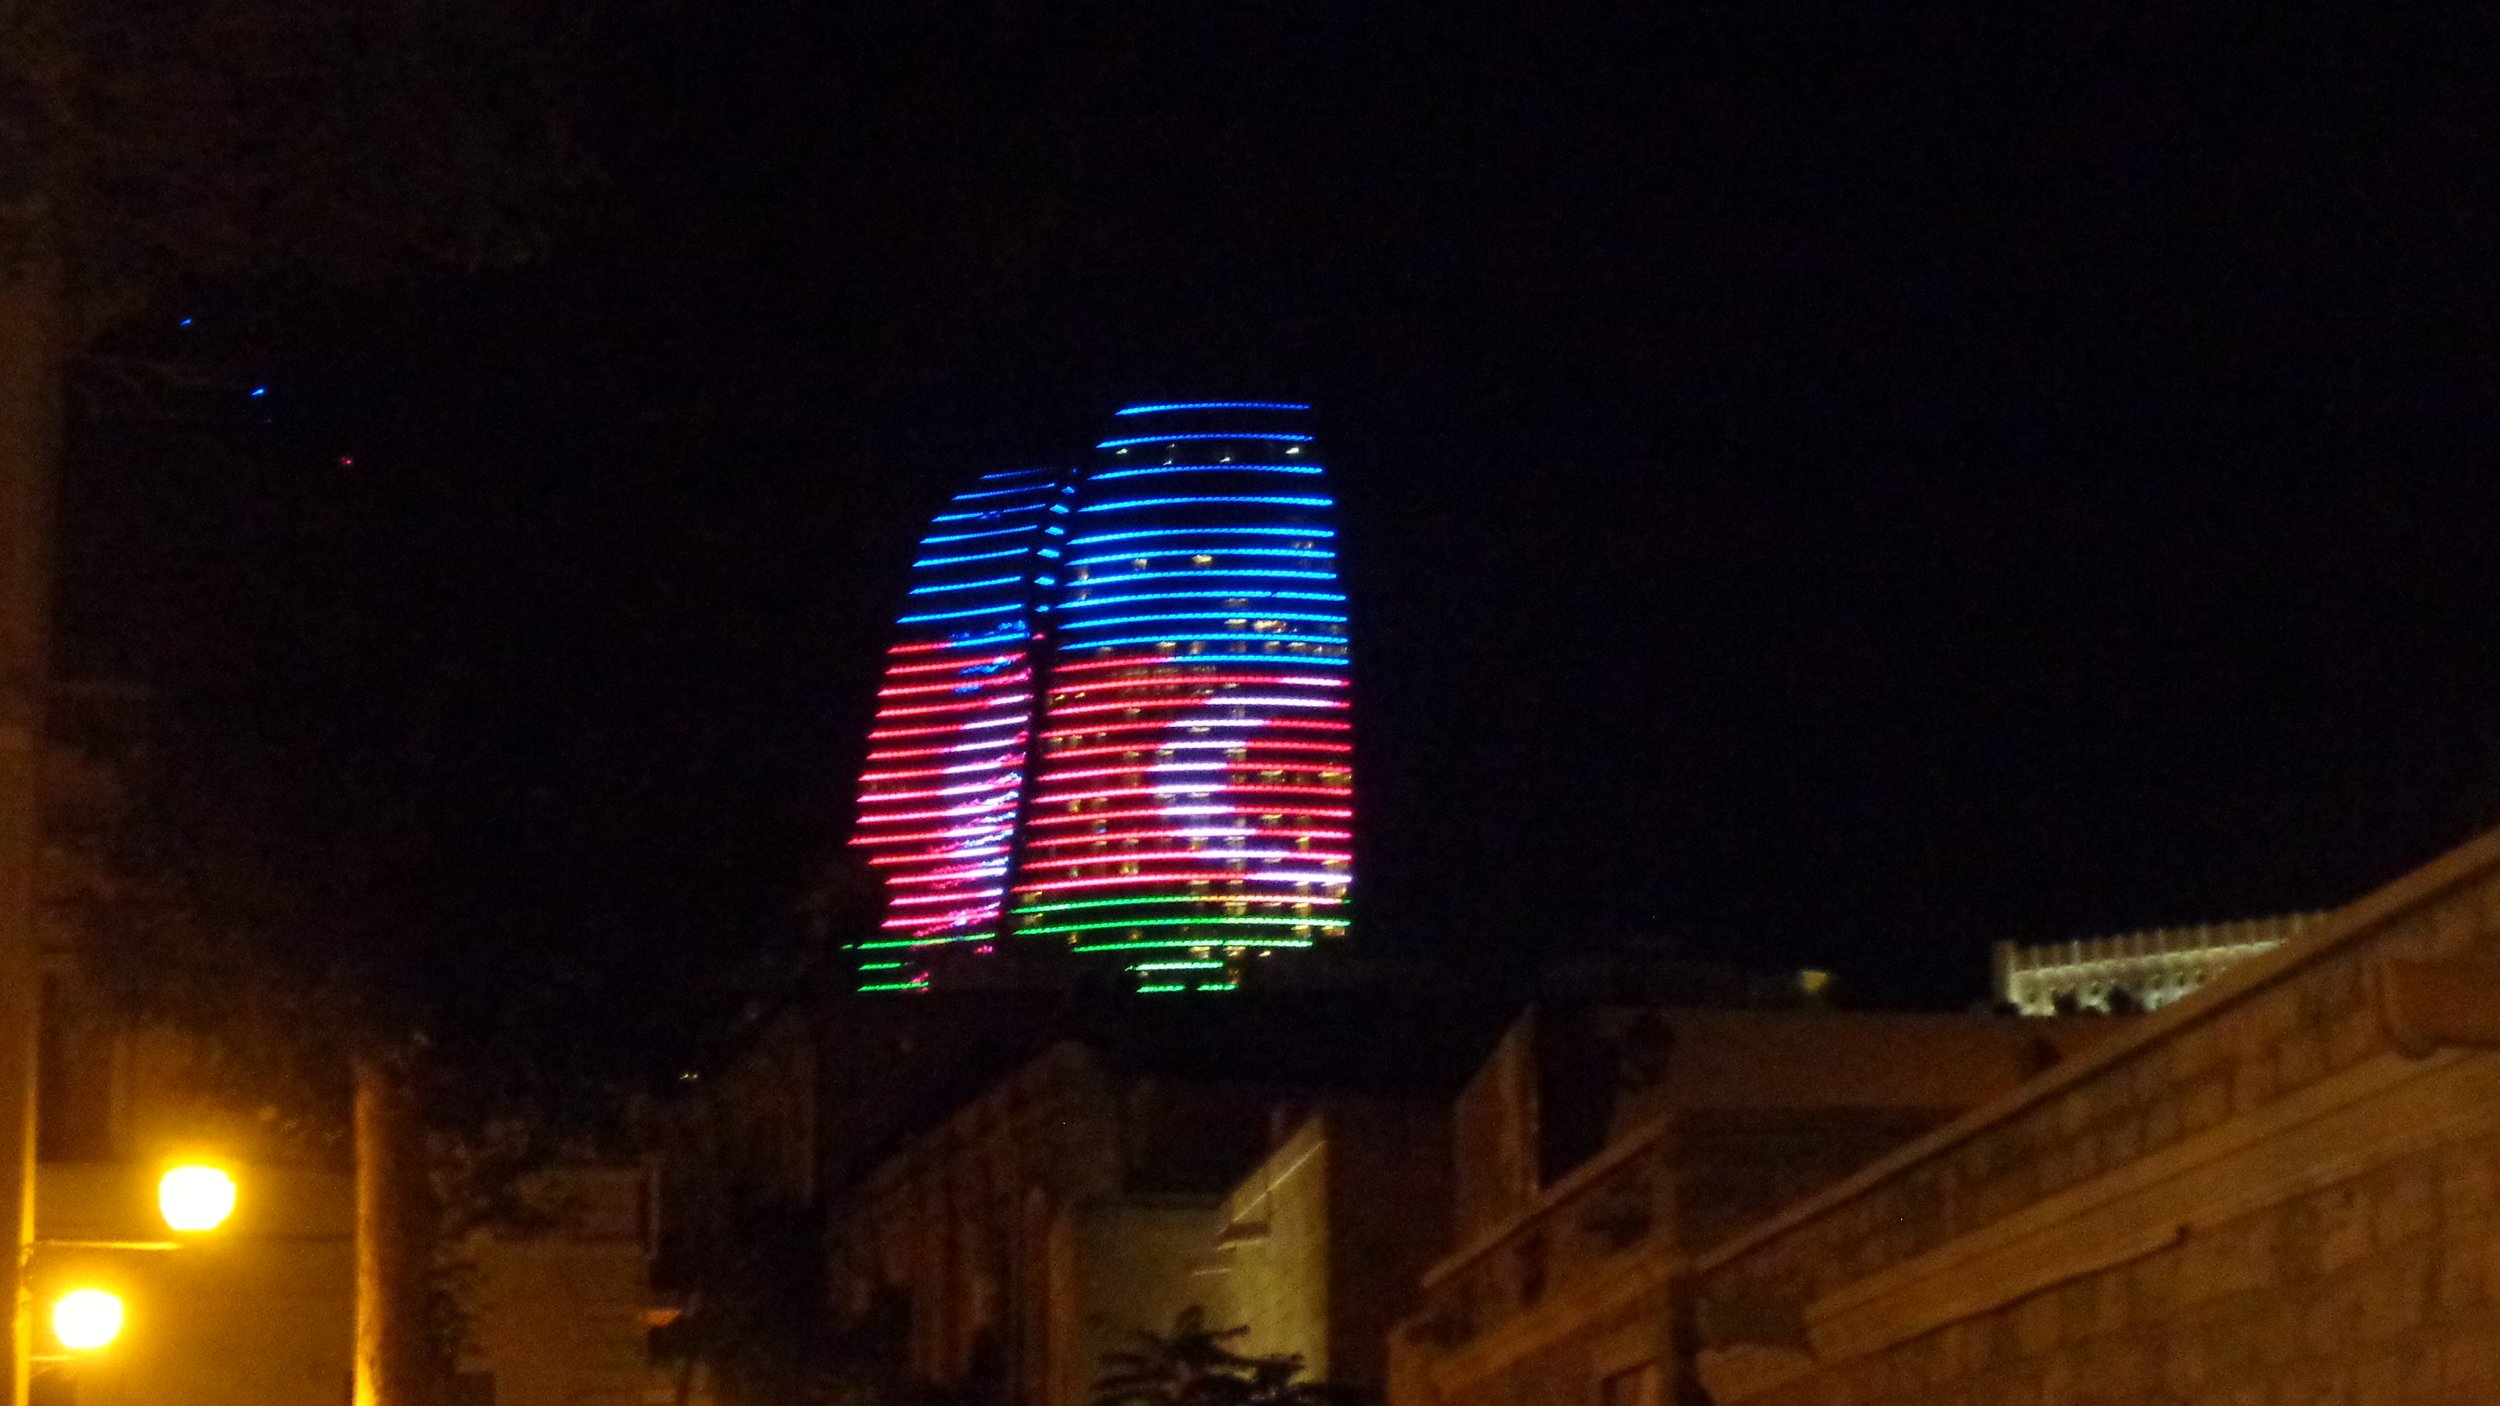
1828 484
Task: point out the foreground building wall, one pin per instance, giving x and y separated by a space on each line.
1318 1249
2284 1189
1572 1296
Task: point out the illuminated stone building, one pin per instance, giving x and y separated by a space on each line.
2152 968
2284 1188
1599 1147
1246 1159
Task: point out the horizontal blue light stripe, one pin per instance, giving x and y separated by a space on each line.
982 641
1290 553
1229 638
1118 505
1012 473
1010 608
1255 594
969 556
1176 438
1199 532
980 513
1263 660
971 536
1249 614
1000 492
967 585
1209 469
1212 405
1205 573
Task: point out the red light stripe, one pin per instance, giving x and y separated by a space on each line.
1139 856
969 705
1240 833
1061 754
1203 681
963 812
915 773
1141 704
929 646
1167 725
1192 788
904 754
1190 876
1181 772
956 686
965 729
896 671
1295 812
993 829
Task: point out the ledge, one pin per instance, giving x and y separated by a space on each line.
2340 929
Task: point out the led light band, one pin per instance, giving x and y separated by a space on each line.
1211 405
1122 505
1137 900
1140 533
1161 470
1211 552
1270 435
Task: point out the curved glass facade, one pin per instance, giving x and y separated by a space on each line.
944 780
1192 803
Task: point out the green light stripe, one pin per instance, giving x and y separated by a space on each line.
925 941
1151 990
1213 922
1142 944
892 986
1177 966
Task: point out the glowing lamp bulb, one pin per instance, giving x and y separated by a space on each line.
195 1198
86 1319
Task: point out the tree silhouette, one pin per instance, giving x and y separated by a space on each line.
148 147
1191 1365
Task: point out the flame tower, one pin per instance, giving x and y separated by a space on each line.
944 780
1191 812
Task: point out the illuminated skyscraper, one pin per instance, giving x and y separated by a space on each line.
946 755
1191 812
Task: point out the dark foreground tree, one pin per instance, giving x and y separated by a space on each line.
1192 1365
149 145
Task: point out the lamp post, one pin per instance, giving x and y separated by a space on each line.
29 436
193 1198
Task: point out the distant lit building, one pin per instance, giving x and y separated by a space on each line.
944 780
2154 967
1170 627
1192 808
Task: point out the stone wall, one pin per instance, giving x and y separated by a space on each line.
2253 1198
1730 1114
1271 1273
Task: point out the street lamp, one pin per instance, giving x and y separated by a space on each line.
86 1319
195 1197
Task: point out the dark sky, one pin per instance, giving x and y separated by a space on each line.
1835 484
